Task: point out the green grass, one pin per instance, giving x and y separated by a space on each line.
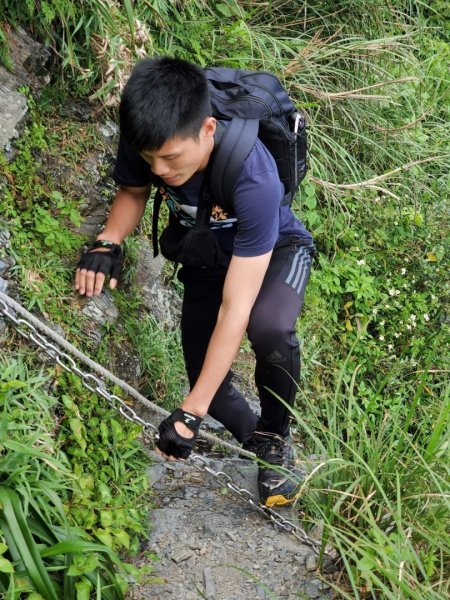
161 358
379 486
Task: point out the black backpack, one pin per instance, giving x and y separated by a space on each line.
257 105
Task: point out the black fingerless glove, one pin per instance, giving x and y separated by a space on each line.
110 263
170 442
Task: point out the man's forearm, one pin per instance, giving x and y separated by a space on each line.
222 350
242 285
126 212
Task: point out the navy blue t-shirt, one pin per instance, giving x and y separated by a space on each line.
253 225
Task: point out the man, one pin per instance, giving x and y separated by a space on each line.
257 286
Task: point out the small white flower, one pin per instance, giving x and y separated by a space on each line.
403 271
406 259
396 335
381 338
382 323
412 317
426 317
408 327
390 347
361 262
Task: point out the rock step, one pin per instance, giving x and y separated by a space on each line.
210 544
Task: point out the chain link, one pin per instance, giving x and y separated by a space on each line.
94 384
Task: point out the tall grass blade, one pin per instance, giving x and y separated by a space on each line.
435 442
13 520
130 16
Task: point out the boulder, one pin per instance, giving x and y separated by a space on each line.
29 61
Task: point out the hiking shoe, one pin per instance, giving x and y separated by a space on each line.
277 478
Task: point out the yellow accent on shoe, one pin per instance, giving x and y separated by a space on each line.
278 500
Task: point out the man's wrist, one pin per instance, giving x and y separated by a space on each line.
193 408
190 420
114 239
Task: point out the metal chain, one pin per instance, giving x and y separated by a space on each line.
91 382
97 386
202 464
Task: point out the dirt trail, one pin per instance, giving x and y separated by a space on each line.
212 545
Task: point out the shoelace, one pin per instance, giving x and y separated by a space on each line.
272 452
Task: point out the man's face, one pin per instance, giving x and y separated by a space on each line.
180 158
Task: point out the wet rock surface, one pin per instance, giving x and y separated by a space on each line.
211 544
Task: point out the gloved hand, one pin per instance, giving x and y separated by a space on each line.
109 260
103 258
170 442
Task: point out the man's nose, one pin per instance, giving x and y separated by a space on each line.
159 167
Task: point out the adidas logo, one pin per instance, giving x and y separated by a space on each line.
188 418
276 357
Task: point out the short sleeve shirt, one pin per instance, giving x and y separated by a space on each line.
254 222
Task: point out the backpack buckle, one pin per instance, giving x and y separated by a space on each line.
298 118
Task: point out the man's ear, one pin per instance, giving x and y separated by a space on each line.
209 127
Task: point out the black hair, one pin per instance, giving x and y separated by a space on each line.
164 97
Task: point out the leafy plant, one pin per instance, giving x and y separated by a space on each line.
43 547
110 501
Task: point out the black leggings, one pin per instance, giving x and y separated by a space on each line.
271 331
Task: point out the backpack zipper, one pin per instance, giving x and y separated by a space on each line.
258 100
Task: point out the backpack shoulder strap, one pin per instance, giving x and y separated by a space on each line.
157 201
205 201
203 210
234 147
